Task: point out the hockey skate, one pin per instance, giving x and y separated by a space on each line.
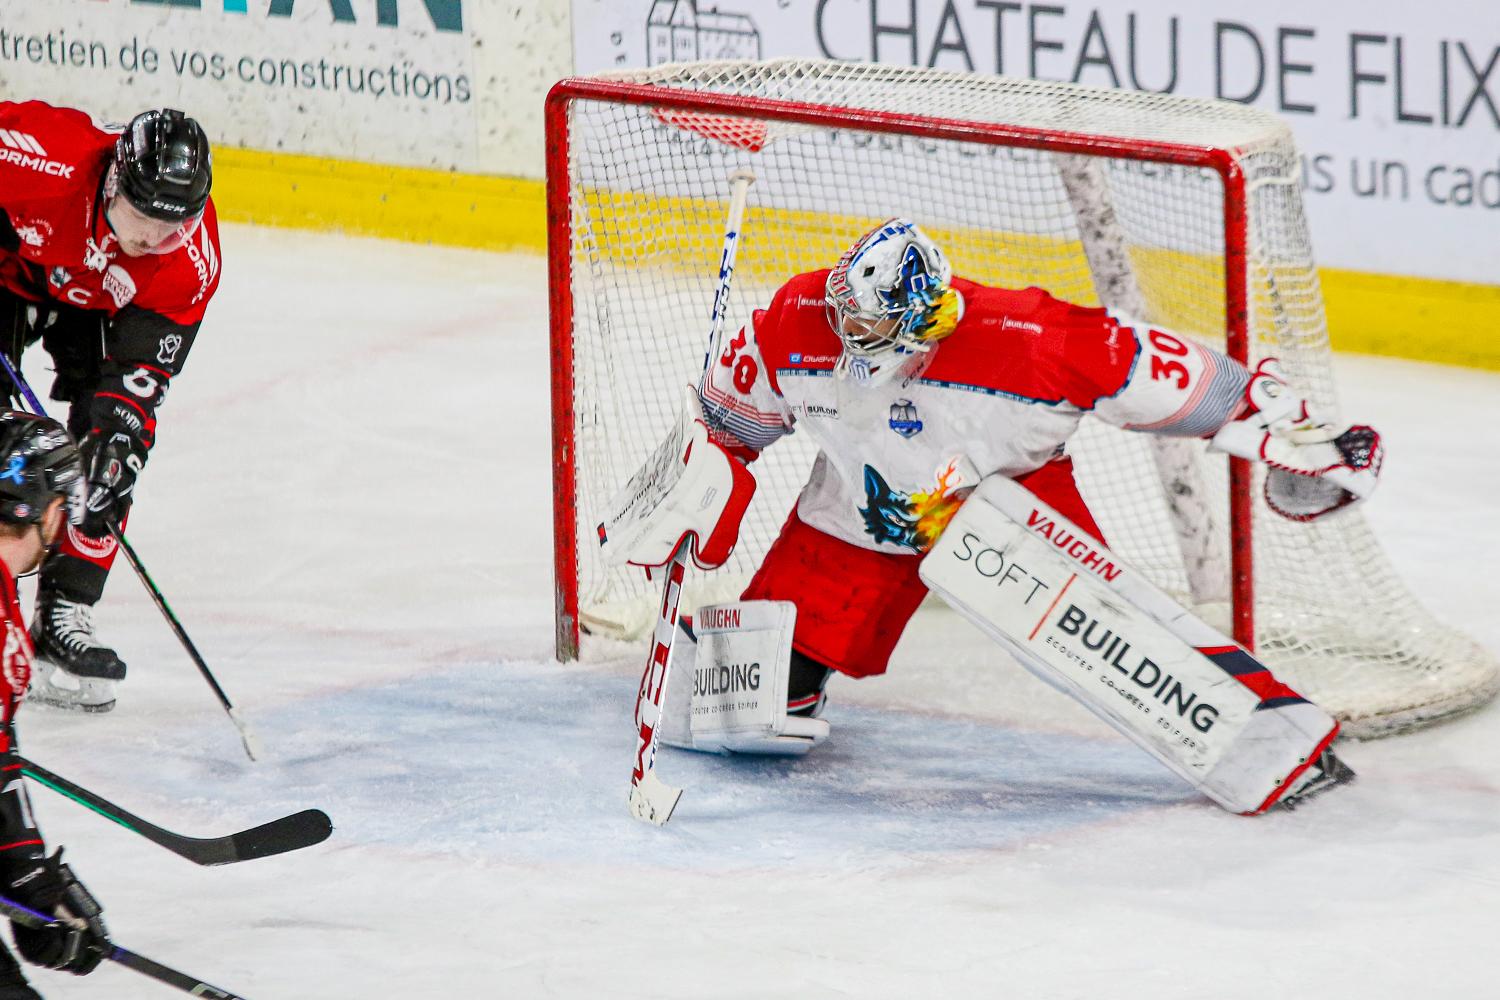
72 670
1327 772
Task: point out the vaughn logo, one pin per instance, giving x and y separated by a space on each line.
1076 546
22 149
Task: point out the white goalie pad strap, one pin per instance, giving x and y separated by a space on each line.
690 487
1080 619
731 695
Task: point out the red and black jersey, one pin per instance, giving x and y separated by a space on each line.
19 839
57 248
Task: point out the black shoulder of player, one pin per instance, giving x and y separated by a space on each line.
139 336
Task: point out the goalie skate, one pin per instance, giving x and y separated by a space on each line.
1326 772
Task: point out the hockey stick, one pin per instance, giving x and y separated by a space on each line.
247 737
651 799
28 917
289 833
252 744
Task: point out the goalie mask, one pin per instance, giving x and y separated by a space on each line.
889 297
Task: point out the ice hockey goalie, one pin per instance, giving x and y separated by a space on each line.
918 386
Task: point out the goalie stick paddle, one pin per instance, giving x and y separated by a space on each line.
289 833
27 917
651 799
247 737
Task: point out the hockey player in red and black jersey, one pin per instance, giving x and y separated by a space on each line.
918 387
41 489
109 255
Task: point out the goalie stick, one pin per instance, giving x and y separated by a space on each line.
289 833
247 737
651 799
28 917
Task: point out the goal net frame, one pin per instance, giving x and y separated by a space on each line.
676 104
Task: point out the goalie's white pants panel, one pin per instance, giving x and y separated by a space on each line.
1071 612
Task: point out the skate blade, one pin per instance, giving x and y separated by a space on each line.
1331 772
69 705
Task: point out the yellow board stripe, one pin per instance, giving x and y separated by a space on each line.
1421 318
400 203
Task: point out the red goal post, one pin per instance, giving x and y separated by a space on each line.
635 168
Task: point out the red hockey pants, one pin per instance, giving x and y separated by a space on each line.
853 603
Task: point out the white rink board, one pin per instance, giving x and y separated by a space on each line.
421 83
1396 105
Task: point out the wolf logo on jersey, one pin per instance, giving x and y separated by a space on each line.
912 520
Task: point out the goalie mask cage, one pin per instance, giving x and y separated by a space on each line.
1185 213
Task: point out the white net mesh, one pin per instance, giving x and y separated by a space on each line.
648 189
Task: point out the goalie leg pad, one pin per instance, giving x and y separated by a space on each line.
727 691
1079 618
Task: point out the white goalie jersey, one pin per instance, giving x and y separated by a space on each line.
1001 394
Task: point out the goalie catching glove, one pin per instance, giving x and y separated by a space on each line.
1313 467
690 488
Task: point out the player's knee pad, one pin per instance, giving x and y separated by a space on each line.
728 687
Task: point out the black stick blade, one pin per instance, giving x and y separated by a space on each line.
289 833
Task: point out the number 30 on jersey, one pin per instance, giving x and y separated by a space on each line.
743 365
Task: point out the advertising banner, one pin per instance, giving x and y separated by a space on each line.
380 81
1396 106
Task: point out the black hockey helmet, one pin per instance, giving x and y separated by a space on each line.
164 165
38 461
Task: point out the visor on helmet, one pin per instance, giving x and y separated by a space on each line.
140 234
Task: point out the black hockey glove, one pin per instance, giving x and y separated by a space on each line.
79 942
112 458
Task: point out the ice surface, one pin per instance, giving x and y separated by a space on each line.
349 508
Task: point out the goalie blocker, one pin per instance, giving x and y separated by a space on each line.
1080 619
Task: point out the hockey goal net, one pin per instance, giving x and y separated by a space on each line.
1186 213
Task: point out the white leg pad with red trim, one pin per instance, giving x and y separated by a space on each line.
727 689
1078 617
